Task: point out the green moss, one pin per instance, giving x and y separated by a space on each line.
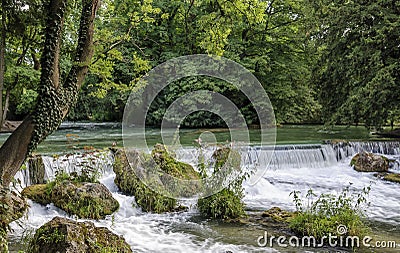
167 163
38 193
63 193
391 177
278 214
129 183
64 235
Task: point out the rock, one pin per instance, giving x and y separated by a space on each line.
167 162
12 207
391 177
160 170
86 200
129 183
274 219
10 126
277 214
62 235
368 162
36 169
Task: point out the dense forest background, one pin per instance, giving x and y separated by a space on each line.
331 62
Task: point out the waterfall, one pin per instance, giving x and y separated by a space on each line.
98 162
298 156
278 157
348 149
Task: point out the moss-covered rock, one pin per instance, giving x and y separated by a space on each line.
226 158
38 193
86 200
167 162
391 177
275 219
278 214
152 178
369 162
62 235
12 207
129 183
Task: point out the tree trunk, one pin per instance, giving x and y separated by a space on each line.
54 99
2 56
6 104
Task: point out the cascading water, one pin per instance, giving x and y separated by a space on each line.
324 168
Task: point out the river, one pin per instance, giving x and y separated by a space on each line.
304 164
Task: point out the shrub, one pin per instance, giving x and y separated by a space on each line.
227 203
323 216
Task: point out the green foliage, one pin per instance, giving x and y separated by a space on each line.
323 215
226 203
358 72
28 102
265 37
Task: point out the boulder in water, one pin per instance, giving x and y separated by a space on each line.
391 177
369 162
131 178
86 200
68 236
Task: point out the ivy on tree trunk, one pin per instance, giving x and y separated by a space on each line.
55 98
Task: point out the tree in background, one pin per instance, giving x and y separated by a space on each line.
358 71
268 38
22 26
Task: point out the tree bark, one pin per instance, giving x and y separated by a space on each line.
54 99
6 104
2 57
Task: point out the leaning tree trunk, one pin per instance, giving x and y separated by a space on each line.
55 98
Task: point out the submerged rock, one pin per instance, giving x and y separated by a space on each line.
391 177
275 219
277 214
130 179
86 200
369 162
62 235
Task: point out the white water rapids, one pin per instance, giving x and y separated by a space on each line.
323 168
